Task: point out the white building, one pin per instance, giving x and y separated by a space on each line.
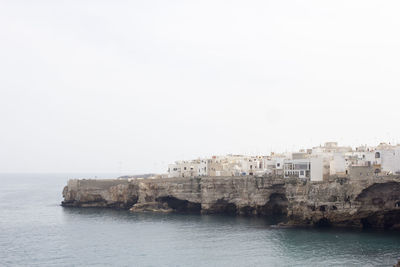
174 170
311 168
315 164
390 160
297 168
202 167
338 164
184 169
251 165
317 169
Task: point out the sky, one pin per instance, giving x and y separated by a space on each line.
131 86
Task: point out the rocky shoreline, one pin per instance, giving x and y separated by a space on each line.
341 202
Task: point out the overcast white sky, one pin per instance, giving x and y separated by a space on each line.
101 86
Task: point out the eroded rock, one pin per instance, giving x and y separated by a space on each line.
374 202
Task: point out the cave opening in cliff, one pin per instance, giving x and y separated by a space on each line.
180 205
382 220
246 210
276 206
367 223
223 206
391 220
324 222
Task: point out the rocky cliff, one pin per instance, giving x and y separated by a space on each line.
368 203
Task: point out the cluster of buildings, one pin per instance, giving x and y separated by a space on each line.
316 164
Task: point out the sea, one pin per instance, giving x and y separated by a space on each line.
36 231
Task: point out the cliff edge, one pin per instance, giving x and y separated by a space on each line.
345 202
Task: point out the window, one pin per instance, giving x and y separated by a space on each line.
301 172
184 168
377 155
278 165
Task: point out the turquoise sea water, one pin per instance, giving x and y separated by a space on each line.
36 231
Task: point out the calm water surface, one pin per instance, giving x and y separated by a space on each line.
36 231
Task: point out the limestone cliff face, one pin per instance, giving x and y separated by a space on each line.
373 202
100 193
